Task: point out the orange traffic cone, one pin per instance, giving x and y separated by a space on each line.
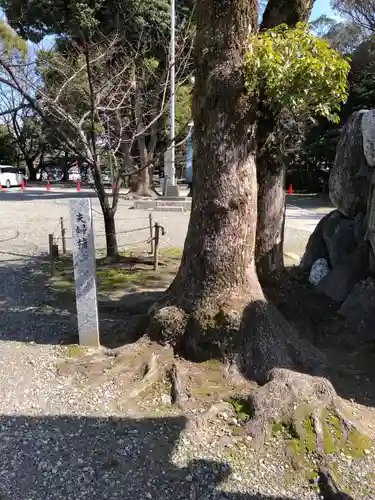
22 185
78 186
290 190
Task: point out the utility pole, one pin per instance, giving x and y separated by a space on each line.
170 157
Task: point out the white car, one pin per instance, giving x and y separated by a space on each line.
10 176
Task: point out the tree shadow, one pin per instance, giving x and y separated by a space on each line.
80 457
30 311
309 201
43 195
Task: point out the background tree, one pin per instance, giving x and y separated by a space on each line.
287 68
354 37
7 153
360 12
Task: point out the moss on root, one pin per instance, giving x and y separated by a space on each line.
204 334
301 441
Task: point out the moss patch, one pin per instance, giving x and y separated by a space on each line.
242 407
123 275
75 351
172 253
356 444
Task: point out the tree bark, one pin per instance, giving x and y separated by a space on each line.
32 171
271 196
270 168
201 311
110 233
271 217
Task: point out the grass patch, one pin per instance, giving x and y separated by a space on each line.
75 351
242 408
172 253
114 277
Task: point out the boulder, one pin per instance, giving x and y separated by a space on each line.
319 270
359 309
368 134
360 227
339 282
350 178
316 248
338 235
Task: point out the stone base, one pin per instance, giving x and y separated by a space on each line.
172 191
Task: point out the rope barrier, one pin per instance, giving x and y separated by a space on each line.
14 237
133 243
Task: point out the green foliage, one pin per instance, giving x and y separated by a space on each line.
296 71
34 20
11 42
7 152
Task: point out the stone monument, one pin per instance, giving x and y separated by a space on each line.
85 271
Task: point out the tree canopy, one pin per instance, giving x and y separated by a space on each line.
297 71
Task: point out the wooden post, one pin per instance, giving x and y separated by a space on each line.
63 233
52 254
151 234
156 246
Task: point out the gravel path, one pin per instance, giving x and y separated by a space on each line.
60 439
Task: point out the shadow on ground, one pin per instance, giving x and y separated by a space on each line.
31 311
43 194
309 201
104 458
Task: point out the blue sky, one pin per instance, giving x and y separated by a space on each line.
322 7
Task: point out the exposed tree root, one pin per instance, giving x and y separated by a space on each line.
153 373
179 393
268 341
328 486
256 336
288 397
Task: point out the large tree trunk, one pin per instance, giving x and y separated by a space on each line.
270 168
215 305
203 307
140 183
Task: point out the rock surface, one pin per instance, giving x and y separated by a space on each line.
359 309
368 134
340 281
350 177
319 270
338 235
316 248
